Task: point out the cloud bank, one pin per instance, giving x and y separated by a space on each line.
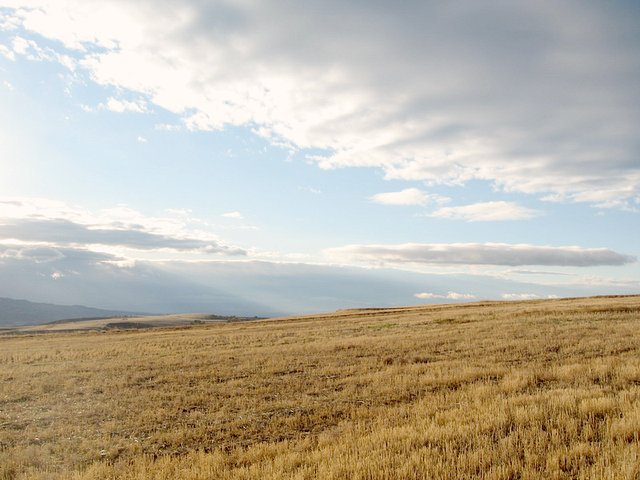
480 254
119 258
534 97
65 232
77 276
41 221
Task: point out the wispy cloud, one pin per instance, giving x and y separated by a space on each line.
31 50
552 111
168 127
7 53
120 106
447 296
486 212
538 272
479 254
236 215
409 196
21 46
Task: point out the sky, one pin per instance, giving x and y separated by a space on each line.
273 157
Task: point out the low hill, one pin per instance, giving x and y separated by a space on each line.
128 322
22 312
496 390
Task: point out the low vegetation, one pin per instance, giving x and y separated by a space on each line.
126 322
540 389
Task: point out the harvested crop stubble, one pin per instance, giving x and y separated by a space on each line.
503 390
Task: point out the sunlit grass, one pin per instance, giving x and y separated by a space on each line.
543 389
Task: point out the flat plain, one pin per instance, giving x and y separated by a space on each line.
497 390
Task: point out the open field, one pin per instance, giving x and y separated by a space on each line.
498 390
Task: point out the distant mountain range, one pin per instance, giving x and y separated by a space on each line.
22 312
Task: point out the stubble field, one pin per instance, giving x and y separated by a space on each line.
497 390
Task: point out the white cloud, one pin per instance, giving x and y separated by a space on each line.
8 23
142 139
7 53
408 196
21 46
439 92
236 215
448 296
31 50
120 106
478 254
75 23
8 86
67 61
168 127
486 212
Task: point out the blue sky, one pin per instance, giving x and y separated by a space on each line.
281 157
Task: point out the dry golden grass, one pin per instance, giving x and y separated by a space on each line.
531 390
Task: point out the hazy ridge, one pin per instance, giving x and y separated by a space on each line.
15 312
